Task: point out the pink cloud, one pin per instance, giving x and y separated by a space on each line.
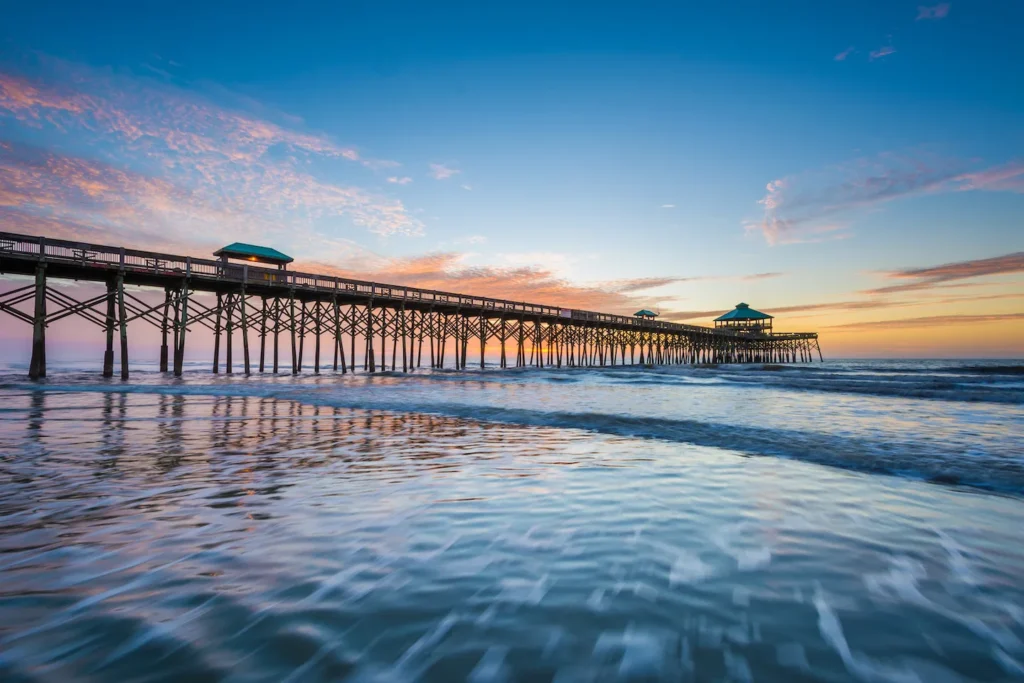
844 54
817 205
221 160
1007 178
931 321
446 271
404 180
932 276
442 172
883 51
939 11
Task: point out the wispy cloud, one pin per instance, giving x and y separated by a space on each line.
686 316
929 277
872 304
467 188
930 321
939 11
817 205
403 180
844 54
173 160
641 284
883 51
442 172
668 206
446 271
881 303
89 200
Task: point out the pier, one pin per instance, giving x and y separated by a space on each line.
362 326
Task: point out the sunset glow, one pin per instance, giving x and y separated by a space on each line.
862 183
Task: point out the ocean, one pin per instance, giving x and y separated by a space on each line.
852 520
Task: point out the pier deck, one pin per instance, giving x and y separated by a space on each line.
351 315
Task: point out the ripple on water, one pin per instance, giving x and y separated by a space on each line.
200 537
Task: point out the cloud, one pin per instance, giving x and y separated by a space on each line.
939 11
172 159
641 284
874 304
442 172
883 51
930 321
446 271
855 305
668 206
379 164
844 54
91 201
1006 178
684 316
761 276
467 187
403 180
817 205
929 277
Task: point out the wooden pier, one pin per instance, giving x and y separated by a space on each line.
362 325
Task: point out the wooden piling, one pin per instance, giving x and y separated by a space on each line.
163 330
123 318
37 365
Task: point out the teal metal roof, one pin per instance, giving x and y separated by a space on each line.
743 312
644 313
250 251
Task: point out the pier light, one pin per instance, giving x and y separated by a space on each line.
254 254
743 318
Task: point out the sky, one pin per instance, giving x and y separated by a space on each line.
854 168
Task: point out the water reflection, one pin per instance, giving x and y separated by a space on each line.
199 537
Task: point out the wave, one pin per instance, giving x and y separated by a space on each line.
931 461
980 384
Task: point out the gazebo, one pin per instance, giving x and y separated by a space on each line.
647 315
254 254
743 318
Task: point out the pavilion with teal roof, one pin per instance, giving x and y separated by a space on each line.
254 254
743 318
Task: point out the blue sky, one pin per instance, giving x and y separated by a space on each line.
588 148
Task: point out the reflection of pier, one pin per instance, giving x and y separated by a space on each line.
390 327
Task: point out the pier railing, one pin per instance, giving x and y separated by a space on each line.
104 257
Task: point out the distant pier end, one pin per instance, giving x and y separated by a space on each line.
385 327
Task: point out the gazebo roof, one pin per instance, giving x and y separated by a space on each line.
251 252
644 313
743 312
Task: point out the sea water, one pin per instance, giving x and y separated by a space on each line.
842 521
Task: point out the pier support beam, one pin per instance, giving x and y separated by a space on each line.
123 319
37 366
108 353
216 336
245 332
179 353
